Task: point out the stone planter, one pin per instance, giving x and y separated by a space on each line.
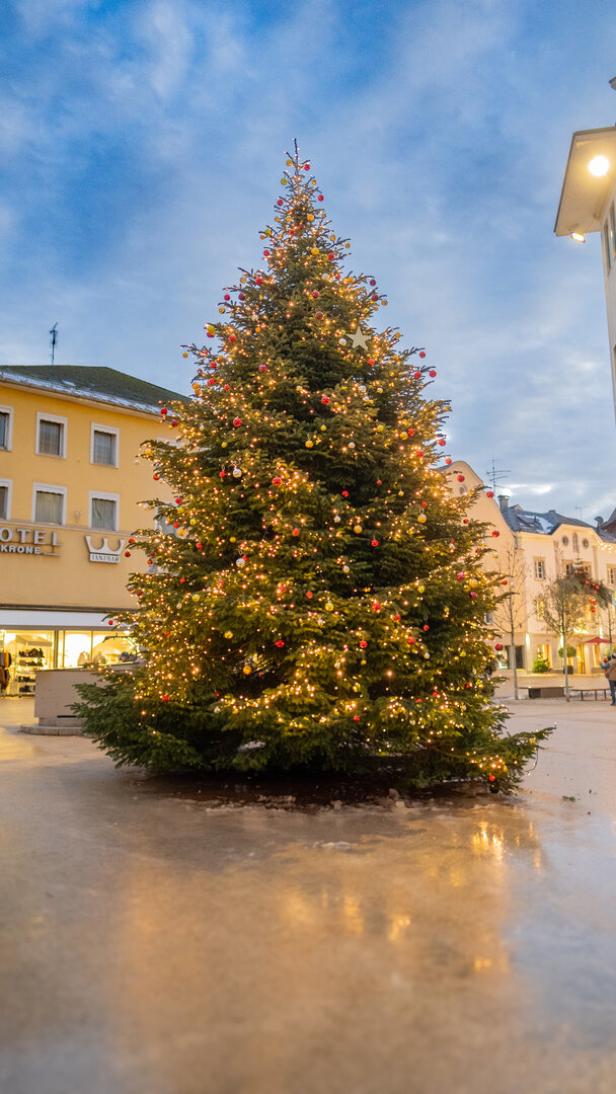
55 693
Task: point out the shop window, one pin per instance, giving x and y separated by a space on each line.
49 504
105 446
5 499
6 430
51 439
540 569
27 652
104 512
112 649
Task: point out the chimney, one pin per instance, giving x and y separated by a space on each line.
503 501
598 521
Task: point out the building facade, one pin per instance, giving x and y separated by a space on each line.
71 484
532 550
588 204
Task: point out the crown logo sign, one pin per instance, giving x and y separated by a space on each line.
104 553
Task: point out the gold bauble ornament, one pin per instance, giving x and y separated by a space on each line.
309 444
228 634
357 528
247 670
329 607
422 518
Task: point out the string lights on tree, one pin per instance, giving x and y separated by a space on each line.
314 594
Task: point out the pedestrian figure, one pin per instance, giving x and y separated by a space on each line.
610 672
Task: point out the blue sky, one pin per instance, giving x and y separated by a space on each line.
142 143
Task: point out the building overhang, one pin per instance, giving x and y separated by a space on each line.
584 196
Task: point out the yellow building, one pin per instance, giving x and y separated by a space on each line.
71 481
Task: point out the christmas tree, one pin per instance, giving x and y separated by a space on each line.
315 596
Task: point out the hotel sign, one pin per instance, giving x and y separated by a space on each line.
28 541
104 553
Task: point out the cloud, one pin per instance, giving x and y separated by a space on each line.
144 149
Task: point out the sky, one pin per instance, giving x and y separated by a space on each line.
142 143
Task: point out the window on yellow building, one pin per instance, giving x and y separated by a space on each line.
611 576
4 500
105 447
104 512
5 429
540 569
49 504
51 436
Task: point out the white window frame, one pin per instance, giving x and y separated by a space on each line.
104 496
540 564
8 410
36 486
9 498
96 427
611 575
43 417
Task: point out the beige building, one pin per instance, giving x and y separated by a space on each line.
588 204
71 484
531 550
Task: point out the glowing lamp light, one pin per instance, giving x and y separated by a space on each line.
599 166
579 237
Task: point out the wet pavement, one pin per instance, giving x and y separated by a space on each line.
154 943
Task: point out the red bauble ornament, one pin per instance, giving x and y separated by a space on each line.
432 372
315 294
174 422
465 520
372 281
241 296
460 576
211 381
331 256
309 595
374 543
321 197
473 594
417 375
178 501
498 645
419 452
232 338
376 606
279 202
110 622
411 432
279 644
356 718
266 254
227 296
442 442
295 532
426 627
460 478
491 778
165 697
344 493
237 422
127 554
156 477
448 460
422 353
222 474
495 533
306 167
411 641
325 399
263 368
363 645
371 361
164 411
276 481
489 493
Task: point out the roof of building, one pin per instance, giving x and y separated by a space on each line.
525 520
105 385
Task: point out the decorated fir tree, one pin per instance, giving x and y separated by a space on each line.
314 596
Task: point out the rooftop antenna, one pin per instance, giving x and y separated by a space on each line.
496 475
53 340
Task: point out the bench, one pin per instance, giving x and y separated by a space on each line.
583 693
535 692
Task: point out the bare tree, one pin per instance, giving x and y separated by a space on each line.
563 608
509 616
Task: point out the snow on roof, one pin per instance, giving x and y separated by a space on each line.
102 384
